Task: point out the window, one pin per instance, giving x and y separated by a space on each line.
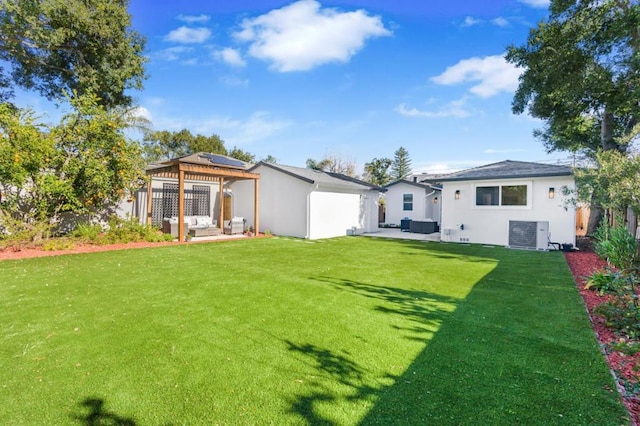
514 195
487 196
407 202
505 195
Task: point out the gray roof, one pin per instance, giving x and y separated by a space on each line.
317 177
416 184
507 170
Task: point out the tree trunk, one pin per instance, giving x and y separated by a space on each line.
596 213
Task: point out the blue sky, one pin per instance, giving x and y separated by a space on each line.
355 78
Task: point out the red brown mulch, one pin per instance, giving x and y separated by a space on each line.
37 251
28 252
624 367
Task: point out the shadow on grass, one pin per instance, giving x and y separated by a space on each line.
517 350
427 310
98 416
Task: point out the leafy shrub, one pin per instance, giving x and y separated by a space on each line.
130 230
618 246
607 280
87 231
58 244
622 315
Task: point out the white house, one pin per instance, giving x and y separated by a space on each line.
510 203
305 203
412 200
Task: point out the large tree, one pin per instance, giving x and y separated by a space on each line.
401 164
74 46
333 164
581 76
164 145
83 165
377 171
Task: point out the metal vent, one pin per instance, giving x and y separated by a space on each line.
523 234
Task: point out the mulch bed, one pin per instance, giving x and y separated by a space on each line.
623 367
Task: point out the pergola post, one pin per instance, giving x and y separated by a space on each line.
221 204
256 212
181 236
149 199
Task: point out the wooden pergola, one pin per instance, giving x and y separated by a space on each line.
202 167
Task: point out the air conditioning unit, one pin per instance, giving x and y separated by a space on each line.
529 235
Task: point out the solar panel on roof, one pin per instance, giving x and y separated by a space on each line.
221 160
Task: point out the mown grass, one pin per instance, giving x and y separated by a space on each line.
283 331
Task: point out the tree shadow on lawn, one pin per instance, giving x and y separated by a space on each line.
499 356
97 415
428 310
502 359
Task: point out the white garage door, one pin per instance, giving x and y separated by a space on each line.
332 213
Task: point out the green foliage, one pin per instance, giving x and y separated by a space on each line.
164 145
377 171
74 46
129 230
622 314
618 246
56 244
581 74
607 280
83 165
614 182
270 159
87 231
242 155
401 164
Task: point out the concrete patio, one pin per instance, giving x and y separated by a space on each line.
398 234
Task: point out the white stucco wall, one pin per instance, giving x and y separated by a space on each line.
333 213
282 202
489 224
292 207
421 207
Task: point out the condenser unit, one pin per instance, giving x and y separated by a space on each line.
528 234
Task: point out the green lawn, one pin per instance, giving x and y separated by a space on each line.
345 331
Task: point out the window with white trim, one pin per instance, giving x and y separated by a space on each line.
501 195
407 202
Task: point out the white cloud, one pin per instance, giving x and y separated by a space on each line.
493 73
457 109
193 19
189 35
500 21
536 3
234 131
141 112
233 81
172 53
470 21
301 36
229 56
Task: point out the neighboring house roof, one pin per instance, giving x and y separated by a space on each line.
316 176
416 184
355 180
508 170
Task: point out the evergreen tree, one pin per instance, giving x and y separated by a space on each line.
401 165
